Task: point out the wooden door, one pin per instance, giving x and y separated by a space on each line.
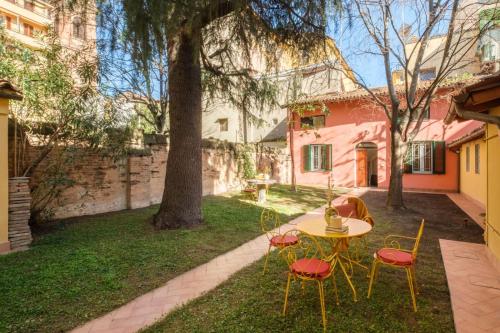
361 167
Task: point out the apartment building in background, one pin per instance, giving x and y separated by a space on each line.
473 56
28 20
324 72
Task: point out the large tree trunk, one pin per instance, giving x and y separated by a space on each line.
398 151
181 203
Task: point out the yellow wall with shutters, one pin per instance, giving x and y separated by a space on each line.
493 201
4 174
473 184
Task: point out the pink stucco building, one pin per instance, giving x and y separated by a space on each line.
352 144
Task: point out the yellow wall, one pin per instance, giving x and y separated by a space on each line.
4 182
471 183
493 205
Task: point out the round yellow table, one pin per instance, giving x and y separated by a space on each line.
315 225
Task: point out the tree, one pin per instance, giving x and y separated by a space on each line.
404 36
61 110
212 40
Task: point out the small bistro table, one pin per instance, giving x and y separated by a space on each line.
315 225
262 186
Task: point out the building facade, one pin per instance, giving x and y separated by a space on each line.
472 55
7 92
351 143
27 21
481 101
223 121
472 151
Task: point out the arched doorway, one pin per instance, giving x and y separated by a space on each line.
366 164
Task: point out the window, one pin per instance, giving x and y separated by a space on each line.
317 157
8 22
223 124
476 158
467 159
29 5
422 157
488 52
28 30
426 157
275 121
78 28
57 22
427 74
312 122
318 151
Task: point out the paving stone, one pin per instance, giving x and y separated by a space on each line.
473 286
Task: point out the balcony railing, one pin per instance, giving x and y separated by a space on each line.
31 6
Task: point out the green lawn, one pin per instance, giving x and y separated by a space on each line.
250 302
81 268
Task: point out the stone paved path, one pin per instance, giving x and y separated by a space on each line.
151 307
474 284
470 207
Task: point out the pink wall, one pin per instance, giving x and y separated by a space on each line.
352 122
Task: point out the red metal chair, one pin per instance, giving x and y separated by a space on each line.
271 224
393 255
307 262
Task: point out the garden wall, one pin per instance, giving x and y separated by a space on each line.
100 184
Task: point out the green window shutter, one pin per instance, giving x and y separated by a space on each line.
306 157
408 161
328 157
439 157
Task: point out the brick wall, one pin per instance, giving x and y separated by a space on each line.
101 184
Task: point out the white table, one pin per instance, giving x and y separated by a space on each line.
262 186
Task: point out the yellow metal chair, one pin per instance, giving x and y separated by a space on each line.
250 193
270 224
394 256
307 262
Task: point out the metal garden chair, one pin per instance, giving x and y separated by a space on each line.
393 255
307 262
270 224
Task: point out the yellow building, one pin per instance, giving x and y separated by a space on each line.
7 91
472 176
481 101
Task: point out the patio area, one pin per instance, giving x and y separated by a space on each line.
230 293
250 301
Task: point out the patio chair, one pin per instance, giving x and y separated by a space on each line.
394 256
356 208
270 224
307 262
250 193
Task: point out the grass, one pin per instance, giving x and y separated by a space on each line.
81 268
250 302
